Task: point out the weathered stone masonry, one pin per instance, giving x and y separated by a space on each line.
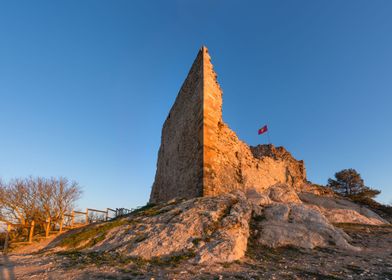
201 156
180 159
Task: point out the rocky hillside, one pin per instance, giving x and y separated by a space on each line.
217 229
277 234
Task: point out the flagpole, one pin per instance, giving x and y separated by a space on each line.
268 135
264 130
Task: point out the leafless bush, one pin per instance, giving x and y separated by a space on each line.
28 199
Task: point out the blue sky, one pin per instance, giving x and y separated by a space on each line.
86 85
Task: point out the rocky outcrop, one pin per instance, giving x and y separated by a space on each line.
297 225
217 229
338 210
208 229
276 193
201 156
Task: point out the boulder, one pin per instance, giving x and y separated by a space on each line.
276 193
283 193
339 210
297 225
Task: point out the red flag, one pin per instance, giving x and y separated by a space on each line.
263 129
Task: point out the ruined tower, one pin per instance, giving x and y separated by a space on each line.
199 154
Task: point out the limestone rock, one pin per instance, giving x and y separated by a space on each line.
297 225
282 193
339 210
315 189
276 193
258 199
349 216
216 229
210 229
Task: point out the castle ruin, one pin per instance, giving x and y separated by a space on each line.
201 156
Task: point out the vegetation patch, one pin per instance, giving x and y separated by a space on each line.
80 259
196 241
320 276
91 235
155 211
227 210
173 259
140 237
361 227
151 210
144 208
355 268
386 275
258 218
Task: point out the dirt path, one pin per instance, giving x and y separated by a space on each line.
23 261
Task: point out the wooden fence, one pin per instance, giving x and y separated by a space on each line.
67 221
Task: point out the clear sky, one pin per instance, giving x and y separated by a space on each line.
85 86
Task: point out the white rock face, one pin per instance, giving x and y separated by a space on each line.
283 193
298 225
210 229
276 193
342 211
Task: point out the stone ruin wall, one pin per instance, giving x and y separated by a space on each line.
235 165
201 156
180 156
229 163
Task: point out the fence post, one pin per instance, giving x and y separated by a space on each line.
7 237
72 218
86 216
31 232
47 229
61 223
107 214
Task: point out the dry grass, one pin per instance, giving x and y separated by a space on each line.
90 235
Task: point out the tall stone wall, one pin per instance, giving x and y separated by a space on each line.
201 156
212 119
229 163
180 158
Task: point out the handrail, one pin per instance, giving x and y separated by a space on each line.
95 210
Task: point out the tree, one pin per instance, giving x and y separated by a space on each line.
25 200
348 182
